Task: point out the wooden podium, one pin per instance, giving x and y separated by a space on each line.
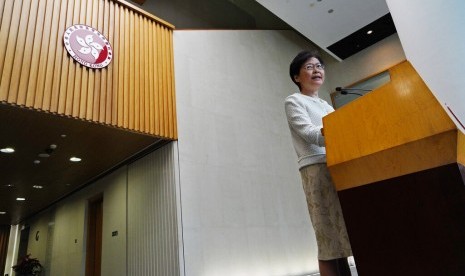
397 161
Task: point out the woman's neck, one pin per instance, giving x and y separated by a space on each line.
313 94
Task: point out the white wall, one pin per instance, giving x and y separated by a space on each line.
69 234
244 211
432 36
114 219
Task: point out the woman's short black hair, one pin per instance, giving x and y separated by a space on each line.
299 61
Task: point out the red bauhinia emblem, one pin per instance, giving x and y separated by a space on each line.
87 46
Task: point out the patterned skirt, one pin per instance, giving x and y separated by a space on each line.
325 213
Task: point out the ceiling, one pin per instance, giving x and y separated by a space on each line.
327 22
339 27
32 133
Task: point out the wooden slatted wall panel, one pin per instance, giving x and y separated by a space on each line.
136 91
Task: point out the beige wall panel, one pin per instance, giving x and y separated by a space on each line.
135 91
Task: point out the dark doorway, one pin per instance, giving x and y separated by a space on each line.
94 237
4 239
23 242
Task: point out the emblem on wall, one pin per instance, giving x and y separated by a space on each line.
87 46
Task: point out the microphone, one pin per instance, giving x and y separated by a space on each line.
344 90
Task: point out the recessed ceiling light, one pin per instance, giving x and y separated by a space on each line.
7 150
2 213
20 199
370 32
9 185
63 135
37 187
44 155
36 161
75 159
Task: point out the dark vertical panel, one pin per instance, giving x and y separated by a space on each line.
4 238
414 223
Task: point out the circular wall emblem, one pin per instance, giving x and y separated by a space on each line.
87 46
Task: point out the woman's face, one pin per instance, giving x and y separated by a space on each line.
311 76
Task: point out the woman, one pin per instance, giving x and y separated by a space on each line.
304 112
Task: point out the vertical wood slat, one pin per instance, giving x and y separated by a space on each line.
68 88
4 33
147 77
43 58
74 74
13 89
172 89
132 63
36 53
59 57
164 87
112 19
82 76
136 91
152 74
95 77
135 69
2 5
51 58
127 65
101 92
27 55
159 78
142 80
10 35
116 88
